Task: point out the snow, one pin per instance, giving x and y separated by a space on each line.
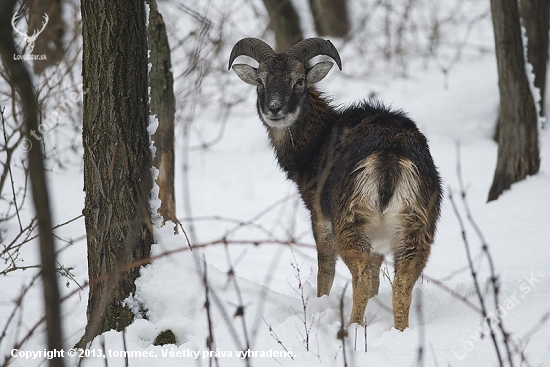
240 195
535 92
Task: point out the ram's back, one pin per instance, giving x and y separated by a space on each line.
382 178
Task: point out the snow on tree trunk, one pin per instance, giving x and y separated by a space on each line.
536 23
162 104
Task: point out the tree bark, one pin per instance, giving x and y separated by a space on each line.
20 79
162 104
536 20
330 17
117 158
284 21
518 151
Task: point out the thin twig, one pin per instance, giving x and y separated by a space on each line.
485 248
240 312
303 298
210 342
474 277
276 337
9 171
421 333
342 332
126 362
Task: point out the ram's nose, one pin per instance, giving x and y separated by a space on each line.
275 108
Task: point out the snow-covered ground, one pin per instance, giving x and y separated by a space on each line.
237 191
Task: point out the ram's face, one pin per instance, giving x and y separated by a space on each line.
281 85
281 81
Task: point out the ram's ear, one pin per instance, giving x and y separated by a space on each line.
317 72
247 73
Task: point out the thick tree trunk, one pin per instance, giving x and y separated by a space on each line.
162 104
284 21
536 20
518 151
117 158
330 17
20 79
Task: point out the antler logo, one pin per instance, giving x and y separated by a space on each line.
29 40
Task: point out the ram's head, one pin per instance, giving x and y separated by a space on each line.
282 79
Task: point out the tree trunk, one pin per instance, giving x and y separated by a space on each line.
536 20
162 104
117 158
330 17
518 151
21 81
284 21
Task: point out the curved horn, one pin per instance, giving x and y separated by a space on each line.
311 47
253 47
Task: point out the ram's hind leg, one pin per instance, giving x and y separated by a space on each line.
326 255
359 265
354 250
409 261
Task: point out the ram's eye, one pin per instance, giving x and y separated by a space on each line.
300 82
259 82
